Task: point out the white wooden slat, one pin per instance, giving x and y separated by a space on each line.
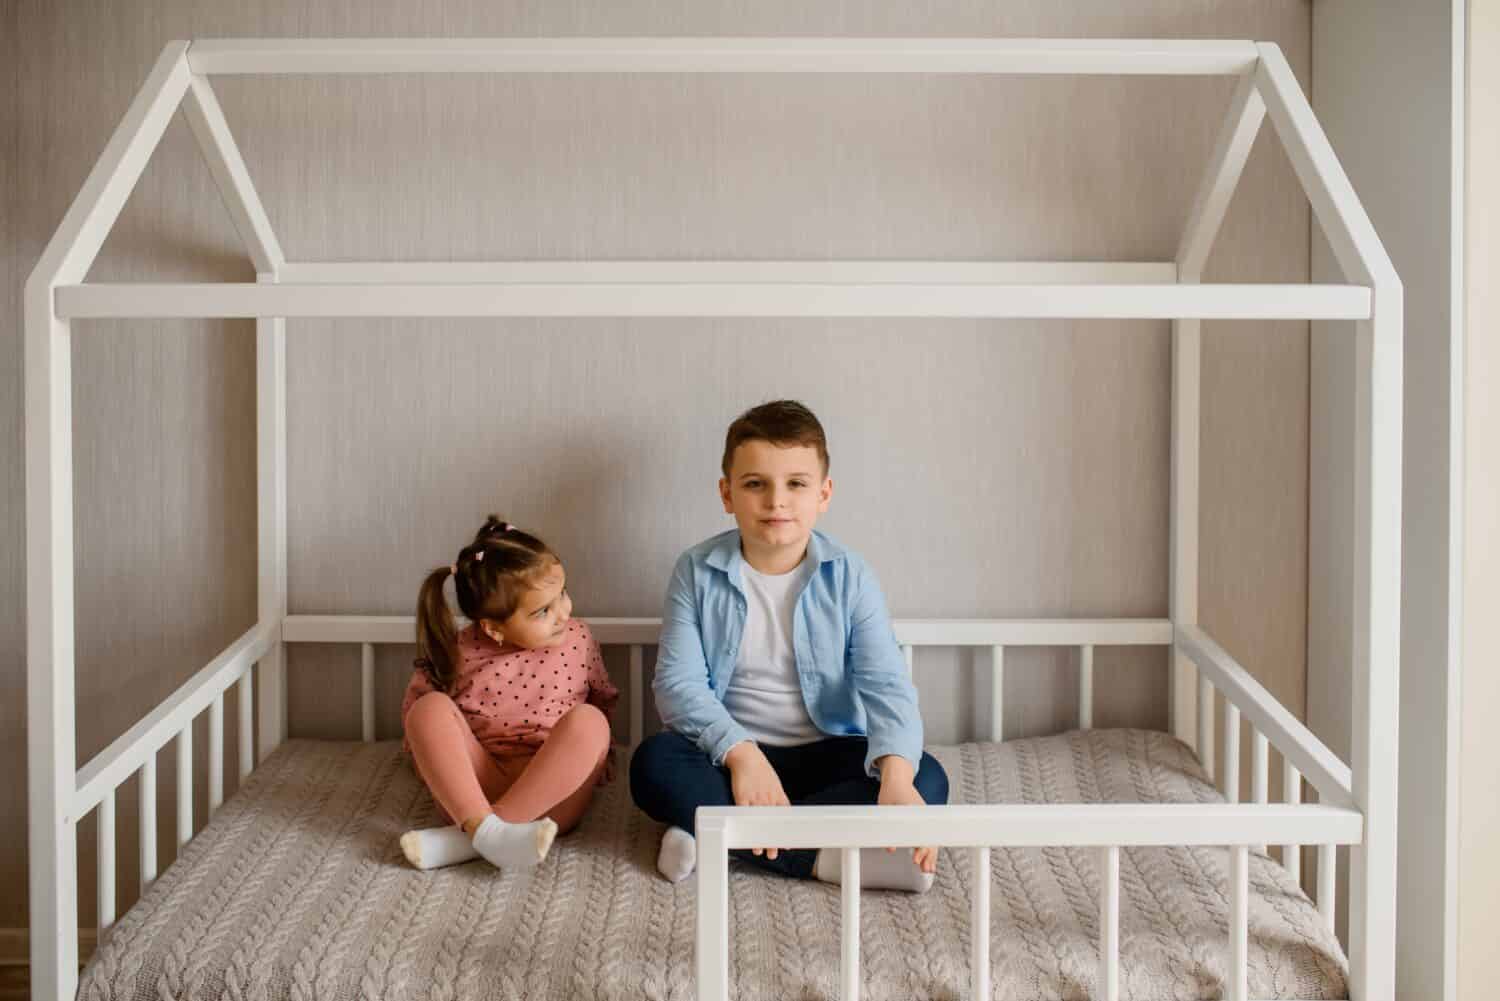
105 895
908 655
997 693
1086 687
979 924
246 707
1238 987
185 785
637 696
215 754
103 300
1226 163
1291 855
722 55
1231 783
271 521
712 961
1187 364
1109 923
1259 771
849 928
1327 883
367 692
147 819
206 119
1205 723
403 629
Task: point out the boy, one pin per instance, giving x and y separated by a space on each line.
778 678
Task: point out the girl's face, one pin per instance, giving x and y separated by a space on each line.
541 618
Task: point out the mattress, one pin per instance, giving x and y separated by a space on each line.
297 889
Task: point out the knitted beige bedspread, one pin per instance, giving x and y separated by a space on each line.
297 889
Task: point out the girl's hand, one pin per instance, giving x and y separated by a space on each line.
897 788
754 781
607 773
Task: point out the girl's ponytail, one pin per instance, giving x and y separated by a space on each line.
437 635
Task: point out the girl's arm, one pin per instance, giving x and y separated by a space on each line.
602 691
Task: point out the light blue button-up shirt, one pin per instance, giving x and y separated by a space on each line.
853 675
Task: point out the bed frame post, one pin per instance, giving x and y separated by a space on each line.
1225 165
270 475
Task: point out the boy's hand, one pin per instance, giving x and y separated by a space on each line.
898 788
754 781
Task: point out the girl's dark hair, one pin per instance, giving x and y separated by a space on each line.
489 577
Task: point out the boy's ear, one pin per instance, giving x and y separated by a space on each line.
825 494
491 628
724 494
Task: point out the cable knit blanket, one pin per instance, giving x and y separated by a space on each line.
297 890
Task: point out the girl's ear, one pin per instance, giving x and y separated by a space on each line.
491 628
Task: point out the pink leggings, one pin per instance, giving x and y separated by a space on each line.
557 781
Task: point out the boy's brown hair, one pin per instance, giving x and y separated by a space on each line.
783 423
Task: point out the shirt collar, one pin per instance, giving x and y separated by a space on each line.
726 555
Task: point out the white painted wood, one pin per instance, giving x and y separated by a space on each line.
204 116
997 693
1187 352
1205 722
113 765
1327 883
271 538
637 697
1259 770
849 929
721 55
185 786
1225 165
1109 923
1238 987
1322 767
790 272
1231 782
96 300
367 691
979 924
1034 825
908 655
247 734
1086 687
1291 784
147 822
105 890
215 754
713 907
52 845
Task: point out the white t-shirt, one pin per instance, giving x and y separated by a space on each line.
764 694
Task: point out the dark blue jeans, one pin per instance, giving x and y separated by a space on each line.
670 778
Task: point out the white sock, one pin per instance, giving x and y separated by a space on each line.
678 856
508 846
878 869
435 847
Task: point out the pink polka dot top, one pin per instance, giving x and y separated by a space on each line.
512 696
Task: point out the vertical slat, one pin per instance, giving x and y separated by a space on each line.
1086 687
713 911
367 691
1231 752
637 697
849 932
1291 855
271 479
1327 882
997 693
979 923
247 734
908 655
215 753
148 823
185 785
1259 770
1239 923
106 888
1206 725
1109 923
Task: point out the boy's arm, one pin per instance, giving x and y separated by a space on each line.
684 699
878 672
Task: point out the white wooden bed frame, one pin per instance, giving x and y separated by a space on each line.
1356 805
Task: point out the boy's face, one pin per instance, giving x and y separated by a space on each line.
775 494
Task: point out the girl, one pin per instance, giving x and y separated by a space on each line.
507 720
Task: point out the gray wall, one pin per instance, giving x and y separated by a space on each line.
1383 89
986 468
